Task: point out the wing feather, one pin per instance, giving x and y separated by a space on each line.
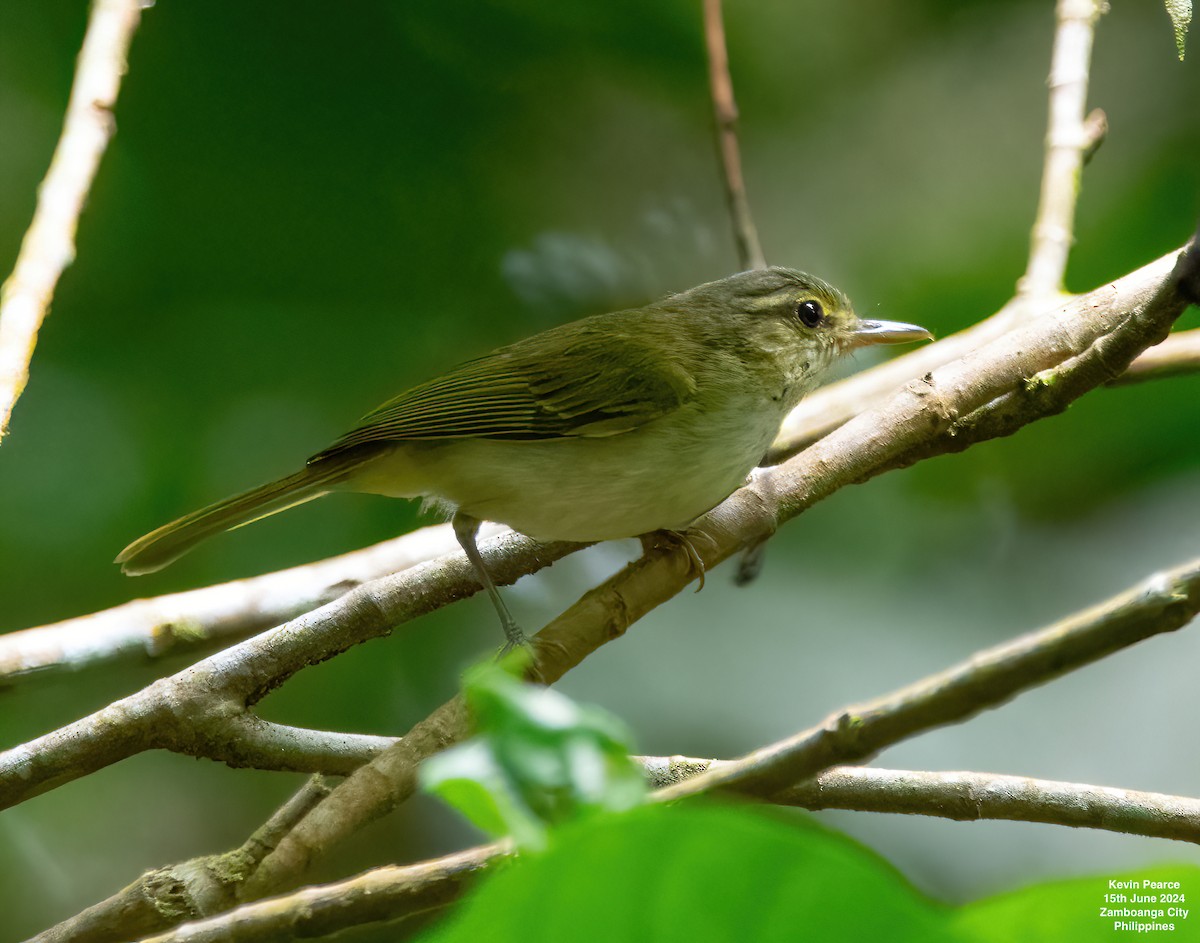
599 382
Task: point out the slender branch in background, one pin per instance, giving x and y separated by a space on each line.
49 243
1068 138
745 235
148 629
161 898
1177 355
1163 603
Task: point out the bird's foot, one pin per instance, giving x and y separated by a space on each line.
684 541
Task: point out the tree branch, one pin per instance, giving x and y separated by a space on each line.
1068 138
164 897
393 893
1162 603
745 235
969 796
49 243
382 894
966 797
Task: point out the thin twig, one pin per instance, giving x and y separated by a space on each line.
1068 138
1162 603
49 243
745 235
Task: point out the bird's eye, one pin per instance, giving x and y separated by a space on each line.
810 313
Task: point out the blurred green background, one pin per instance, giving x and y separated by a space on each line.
309 207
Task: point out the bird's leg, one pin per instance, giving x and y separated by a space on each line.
465 529
751 563
684 541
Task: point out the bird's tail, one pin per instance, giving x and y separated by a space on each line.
171 541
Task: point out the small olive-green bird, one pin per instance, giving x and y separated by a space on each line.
613 426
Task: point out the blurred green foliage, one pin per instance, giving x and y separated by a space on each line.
308 207
537 758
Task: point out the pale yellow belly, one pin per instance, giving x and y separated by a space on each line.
661 476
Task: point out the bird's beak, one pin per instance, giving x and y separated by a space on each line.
886 332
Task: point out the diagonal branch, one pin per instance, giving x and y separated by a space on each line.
49 243
969 797
1163 603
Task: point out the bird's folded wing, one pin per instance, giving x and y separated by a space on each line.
597 384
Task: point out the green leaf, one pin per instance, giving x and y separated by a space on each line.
695 873
469 779
539 759
698 872
1180 12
